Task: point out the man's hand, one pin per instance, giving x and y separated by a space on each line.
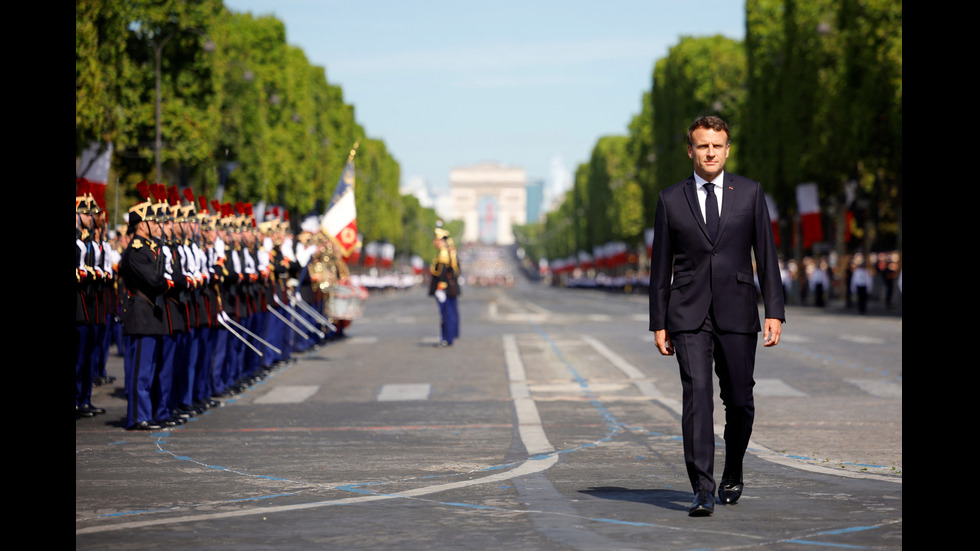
663 343
772 331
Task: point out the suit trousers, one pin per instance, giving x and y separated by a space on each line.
733 356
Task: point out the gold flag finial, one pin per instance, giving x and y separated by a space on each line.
353 151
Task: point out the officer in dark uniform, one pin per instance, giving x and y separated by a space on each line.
143 313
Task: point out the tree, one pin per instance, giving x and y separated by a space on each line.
699 76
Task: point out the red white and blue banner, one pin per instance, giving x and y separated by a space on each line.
94 167
340 221
808 203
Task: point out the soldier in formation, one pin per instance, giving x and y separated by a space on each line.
209 302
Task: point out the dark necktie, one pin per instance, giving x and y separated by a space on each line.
711 211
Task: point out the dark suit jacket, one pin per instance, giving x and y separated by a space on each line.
689 273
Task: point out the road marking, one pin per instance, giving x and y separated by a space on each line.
528 420
396 393
775 388
535 308
639 379
862 339
288 394
881 389
572 387
541 453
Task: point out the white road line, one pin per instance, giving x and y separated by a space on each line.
881 389
524 469
528 420
767 385
288 394
535 308
396 393
776 388
861 339
529 428
646 387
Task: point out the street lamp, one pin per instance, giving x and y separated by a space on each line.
157 58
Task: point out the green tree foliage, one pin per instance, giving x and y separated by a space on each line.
242 113
643 158
379 206
417 224
615 210
824 103
789 57
699 76
168 40
103 74
813 95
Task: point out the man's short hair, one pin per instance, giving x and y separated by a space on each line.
711 122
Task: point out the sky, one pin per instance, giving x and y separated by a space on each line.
530 83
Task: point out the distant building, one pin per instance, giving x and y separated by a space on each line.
535 201
490 199
417 187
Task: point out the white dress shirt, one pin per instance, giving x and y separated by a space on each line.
703 194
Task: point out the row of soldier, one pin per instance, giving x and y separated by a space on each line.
209 302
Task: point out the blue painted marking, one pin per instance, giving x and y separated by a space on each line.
626 522
259 498
470 506
848 530
354 489
127 513
826 544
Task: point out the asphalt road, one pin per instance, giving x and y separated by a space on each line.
551 424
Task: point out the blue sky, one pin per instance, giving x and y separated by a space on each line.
524 83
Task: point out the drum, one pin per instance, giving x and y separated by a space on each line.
345 301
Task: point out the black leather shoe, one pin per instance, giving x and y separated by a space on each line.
704 504
145 425
94 410
730 490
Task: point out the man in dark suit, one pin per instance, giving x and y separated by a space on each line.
704 303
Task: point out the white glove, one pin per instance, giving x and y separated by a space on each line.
440 296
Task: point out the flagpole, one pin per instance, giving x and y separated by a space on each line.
353 151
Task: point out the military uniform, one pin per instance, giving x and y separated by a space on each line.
444 286
89 307
144 316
